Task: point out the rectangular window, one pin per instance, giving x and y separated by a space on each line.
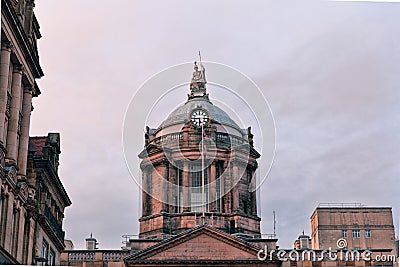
45 246
217 187
356 233
368 233
344 233
14 233
51 258
180 190
3 220
196 190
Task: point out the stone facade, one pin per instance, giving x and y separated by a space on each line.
362 227
202 245
359 229
171 171
52 199
25 220
198 207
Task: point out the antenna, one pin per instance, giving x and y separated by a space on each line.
200 56
274 223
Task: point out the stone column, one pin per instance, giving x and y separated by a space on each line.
172 188
212 188
9 225
185 184
12 138
254 196
145 198
235 191
24 138
227 187
164 186
5 55
20 241
31 244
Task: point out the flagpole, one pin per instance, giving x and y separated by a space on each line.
202 174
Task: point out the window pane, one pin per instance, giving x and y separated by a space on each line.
367 233
344 233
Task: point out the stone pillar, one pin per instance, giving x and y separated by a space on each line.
185 184
9 225
20 241
164 186
235 191
227 180
221 187
172 187
212 188
24 139
12 138
145 197
5 55
3 218
31 244
253 195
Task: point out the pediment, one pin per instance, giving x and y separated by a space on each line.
201 244
203 247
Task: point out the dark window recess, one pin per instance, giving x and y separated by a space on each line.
232 227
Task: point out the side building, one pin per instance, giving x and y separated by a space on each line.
51 198
362 227
21 207
358 235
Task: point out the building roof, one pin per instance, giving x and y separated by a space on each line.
182 113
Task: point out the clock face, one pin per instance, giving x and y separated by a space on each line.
199 117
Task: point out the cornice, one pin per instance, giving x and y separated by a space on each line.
11 17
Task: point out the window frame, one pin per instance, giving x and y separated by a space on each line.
355 233
367 233
344 233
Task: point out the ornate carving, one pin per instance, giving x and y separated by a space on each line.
18 68
8 107
6 45
198 82
250 136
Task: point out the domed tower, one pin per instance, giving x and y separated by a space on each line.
198 167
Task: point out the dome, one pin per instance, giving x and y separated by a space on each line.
182 113
198 98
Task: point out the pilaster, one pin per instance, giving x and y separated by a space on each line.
185 182
24 138
5 56
212 188
13 124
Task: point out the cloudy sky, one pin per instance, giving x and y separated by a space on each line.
330 71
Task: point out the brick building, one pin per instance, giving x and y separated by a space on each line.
197 207
362 227
184 223
30 217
